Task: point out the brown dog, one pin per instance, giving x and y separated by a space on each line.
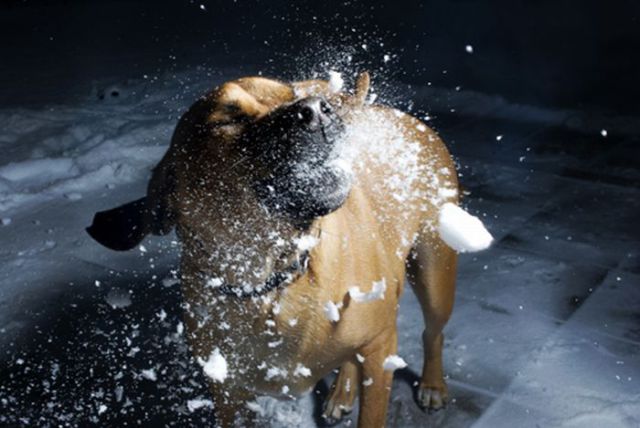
300 210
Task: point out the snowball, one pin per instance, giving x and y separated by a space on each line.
393 362
604 133
215 367
462 231
376 293
197 403
306 242
469 49
335 82
331 311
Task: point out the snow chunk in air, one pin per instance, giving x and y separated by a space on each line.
376 293
393 363
301 370
197 403
214 282
215 367
336 82
331 311
306 242
462 231
149 374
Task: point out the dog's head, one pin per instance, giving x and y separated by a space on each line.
292 151
251 144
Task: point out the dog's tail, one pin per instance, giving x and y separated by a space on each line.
121 228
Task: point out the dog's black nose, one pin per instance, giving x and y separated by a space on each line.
314 112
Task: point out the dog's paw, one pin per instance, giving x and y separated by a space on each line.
432 398
335 410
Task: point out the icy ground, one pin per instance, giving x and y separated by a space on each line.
546 329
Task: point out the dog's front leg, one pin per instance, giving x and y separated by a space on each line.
231 409
376 382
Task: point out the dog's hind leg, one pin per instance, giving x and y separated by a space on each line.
343 394
432 274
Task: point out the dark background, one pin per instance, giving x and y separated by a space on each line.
570 54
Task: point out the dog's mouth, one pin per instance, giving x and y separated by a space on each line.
305 191
304 173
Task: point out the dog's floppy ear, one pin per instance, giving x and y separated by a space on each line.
124 227
120 228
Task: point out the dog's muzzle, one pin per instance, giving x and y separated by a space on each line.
305 177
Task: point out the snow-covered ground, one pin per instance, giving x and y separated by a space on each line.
546 326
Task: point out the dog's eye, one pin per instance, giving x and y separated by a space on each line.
232 108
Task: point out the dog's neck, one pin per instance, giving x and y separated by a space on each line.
248 252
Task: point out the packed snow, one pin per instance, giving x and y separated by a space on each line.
215 366
462 231
377 292
302 371
336 82
306 242
393 363
331 311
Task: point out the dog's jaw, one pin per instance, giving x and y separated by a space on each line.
306 192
